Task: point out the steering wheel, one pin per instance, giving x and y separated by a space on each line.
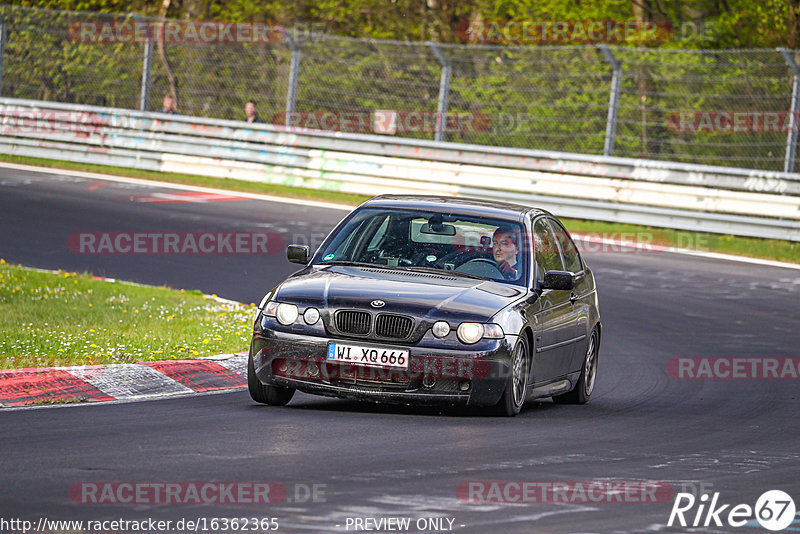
459 257
481 267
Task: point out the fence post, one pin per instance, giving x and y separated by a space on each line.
613 101
444 91
147 72
3 32
791 137
294 73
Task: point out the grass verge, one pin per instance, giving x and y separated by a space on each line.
771 249
57 319
75 400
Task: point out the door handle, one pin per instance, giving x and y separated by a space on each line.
573 297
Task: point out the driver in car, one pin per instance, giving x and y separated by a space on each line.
504 251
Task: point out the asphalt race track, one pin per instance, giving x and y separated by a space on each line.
737 437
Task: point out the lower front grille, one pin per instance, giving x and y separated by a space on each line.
349 375
366 390
353 322
399 384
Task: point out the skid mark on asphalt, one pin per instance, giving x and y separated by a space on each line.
447 469
14 182
743 463
189 196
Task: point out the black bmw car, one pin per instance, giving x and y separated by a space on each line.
429 300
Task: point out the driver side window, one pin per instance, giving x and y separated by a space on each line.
548 256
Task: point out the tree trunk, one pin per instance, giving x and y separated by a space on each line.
793 24
173 83
643 11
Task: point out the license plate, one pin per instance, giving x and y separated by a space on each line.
368 356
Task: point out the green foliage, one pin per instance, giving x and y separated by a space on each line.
730 24
528 96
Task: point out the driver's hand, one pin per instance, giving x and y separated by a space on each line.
507 270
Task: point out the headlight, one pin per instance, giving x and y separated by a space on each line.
440 329
286 313
470 333
311 315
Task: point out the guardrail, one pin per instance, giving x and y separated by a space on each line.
671 195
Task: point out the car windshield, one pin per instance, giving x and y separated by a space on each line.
425 240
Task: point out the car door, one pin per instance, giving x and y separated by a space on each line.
580 296
554 322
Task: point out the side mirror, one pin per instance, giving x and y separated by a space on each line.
561 280
297 254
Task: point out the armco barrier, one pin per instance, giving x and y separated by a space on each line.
673 195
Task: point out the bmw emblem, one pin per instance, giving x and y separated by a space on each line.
377 304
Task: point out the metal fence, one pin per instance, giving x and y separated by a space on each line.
718 107
673 195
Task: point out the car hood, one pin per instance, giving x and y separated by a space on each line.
423 295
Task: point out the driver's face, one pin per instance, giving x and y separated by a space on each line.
504 249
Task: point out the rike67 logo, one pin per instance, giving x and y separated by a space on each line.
774 510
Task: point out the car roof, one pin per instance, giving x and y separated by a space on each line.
457 205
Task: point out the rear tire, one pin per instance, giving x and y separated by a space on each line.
517 384
272 395
582 391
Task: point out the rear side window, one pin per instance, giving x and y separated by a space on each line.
572 258
548 257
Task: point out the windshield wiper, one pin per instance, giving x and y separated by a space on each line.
443 272
412 268
357 264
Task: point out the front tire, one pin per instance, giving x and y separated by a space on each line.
517 384
265 394
582 391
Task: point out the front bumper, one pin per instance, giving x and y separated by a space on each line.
434 376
